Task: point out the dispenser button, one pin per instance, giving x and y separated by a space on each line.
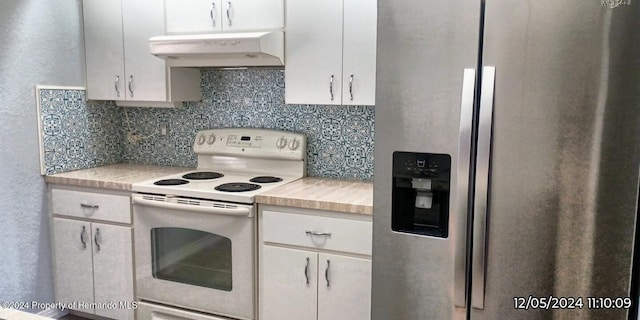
421 184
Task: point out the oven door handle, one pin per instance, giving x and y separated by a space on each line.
236 211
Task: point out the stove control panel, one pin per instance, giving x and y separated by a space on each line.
244 141
251 142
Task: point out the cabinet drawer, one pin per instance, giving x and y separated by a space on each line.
298 229
107 207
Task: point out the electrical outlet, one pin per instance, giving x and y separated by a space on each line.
164 129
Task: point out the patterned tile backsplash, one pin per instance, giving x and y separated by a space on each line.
76 135
340 138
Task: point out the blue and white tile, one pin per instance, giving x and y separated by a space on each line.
340 138
77 135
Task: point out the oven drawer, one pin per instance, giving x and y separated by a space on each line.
92 205
320 232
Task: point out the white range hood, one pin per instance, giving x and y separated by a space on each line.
221 49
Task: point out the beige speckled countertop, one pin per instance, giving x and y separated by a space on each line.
115 176
321 193
314 193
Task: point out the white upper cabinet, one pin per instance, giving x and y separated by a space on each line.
206 16
331 52
359 52
145 74
313 65
120 66
104 46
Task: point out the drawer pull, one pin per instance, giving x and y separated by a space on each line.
82 233
96 238
306 271
89 206
314 233
326 273
331 87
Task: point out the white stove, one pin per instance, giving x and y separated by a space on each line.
235 165
195 232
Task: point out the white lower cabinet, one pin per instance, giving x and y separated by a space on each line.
289 284
344 287
93 261
73 262
305 285
306 281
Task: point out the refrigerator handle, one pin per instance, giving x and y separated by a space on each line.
481 197
462 187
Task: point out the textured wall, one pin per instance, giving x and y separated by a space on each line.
41 44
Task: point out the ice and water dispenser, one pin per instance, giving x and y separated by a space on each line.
420 196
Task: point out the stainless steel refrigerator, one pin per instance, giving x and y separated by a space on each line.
507 155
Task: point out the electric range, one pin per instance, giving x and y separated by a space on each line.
195 232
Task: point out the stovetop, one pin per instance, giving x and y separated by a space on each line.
206 189
230 159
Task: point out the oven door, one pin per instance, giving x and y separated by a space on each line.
195 254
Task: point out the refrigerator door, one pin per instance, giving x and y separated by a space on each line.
423 51
564 157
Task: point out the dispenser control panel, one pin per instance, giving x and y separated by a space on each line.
428 165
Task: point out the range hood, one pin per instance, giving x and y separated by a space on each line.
221 49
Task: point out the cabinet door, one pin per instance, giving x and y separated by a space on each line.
145 75
113 269
103 49
313 52
72 258
288 284
359 52
344 288
242 15
193 16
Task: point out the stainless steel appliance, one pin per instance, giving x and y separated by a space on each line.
537 103
195 232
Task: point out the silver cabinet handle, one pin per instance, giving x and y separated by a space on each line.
480 210
213 8
314 233
326 273
89 206
460 207
306 271
130 88
229 13
96 237
82 233
116 85
331 87
351 87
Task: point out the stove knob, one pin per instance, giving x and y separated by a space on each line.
294 144
212 139
201 139
281 143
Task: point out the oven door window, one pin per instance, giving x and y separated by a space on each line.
191 257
